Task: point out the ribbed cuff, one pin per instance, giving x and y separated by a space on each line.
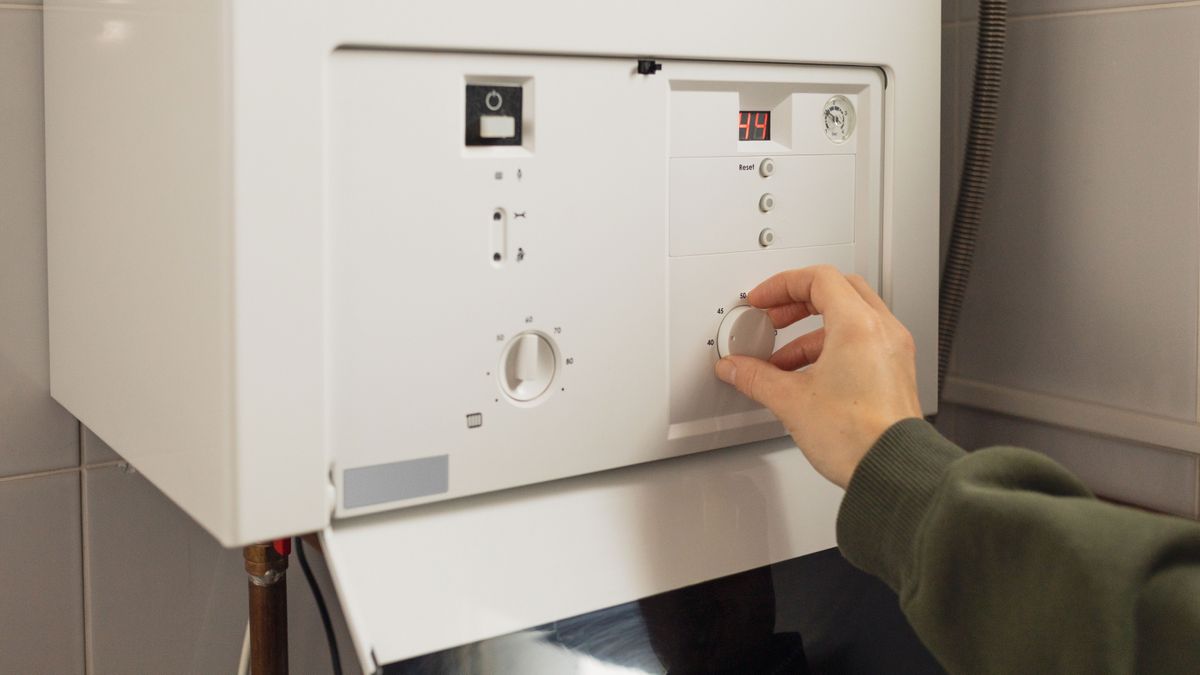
889 493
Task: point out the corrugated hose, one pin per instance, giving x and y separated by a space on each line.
977 166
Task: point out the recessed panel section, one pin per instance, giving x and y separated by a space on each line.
724 204
704 290
713 118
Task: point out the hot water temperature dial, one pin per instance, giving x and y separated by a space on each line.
746 331
528 366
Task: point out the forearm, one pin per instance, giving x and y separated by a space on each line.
1005 563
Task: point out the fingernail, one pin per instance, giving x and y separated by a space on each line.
727 371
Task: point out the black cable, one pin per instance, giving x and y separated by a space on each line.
977 167
334 658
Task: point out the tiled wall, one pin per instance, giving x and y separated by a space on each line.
1079 333
1093 214
99 572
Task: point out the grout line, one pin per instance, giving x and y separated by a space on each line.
106 465
85 537
38 474
59 472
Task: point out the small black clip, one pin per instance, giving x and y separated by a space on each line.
648 66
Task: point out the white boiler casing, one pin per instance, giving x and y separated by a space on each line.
464 268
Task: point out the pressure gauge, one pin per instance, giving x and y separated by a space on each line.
839 119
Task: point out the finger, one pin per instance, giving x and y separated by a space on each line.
757 379
801 352
786 315
822 286
868 294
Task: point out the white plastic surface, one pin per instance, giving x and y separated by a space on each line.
528 366
419 580
720 204
746 331
591 271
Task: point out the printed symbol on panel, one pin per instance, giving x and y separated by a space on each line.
474 420
499 175
529 319
570 360
493 100
520 174
520 254
518 214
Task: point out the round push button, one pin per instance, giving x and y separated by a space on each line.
766 202
766 167
747 331
766 237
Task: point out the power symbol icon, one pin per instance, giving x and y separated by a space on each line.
493 100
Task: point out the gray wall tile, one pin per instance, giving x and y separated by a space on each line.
165 597
95 450
307 650
41 575
1157 478
36 434
949 138
1086 277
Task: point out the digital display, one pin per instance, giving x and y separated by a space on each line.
754 125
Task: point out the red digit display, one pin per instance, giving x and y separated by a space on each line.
754 125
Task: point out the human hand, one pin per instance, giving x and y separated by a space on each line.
862 376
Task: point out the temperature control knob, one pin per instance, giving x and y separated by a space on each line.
746 331
527 366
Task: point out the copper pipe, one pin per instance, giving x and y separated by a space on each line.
268 609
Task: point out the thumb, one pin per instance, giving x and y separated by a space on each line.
758 379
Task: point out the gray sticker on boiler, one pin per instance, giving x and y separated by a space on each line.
380 483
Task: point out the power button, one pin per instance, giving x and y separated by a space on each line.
493 115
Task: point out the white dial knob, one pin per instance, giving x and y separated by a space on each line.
527 366
747 331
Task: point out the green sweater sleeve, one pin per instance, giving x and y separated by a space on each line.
1005 563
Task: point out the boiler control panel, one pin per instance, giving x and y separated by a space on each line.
534 262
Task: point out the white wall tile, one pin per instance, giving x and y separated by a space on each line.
41 575
36 434
165 597
1156 478
1086 279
